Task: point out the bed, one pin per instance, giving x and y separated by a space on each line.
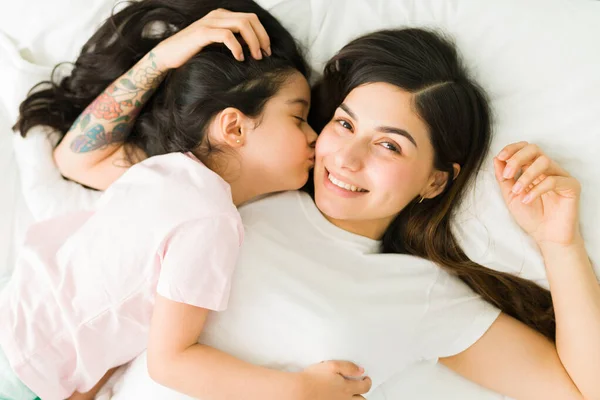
537 59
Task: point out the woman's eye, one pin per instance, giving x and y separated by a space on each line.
391 146
345 124
300 119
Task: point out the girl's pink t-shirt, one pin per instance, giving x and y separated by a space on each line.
82 293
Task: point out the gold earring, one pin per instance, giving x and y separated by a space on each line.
422 198
238 141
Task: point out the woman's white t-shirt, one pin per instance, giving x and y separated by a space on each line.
305 291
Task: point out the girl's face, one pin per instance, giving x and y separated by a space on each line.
282 141
372 159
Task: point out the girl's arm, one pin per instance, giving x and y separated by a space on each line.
511 358
91 394
92 151
176 360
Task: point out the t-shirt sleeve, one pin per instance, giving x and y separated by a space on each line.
197 262
456 318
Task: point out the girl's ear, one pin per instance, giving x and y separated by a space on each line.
231 124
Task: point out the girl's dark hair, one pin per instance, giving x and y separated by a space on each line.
175 118
458 116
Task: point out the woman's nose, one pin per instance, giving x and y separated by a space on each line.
350 155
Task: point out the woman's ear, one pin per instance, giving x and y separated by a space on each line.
231 127
437 182
456 168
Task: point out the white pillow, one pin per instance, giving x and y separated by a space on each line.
48 32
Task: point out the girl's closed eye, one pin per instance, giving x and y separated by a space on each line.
300 119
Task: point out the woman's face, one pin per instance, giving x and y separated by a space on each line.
372 159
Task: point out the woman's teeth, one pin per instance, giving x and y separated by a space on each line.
344 185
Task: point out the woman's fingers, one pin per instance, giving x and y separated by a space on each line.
522 157
505 184
248 26
565 186
227 37
519 156
246 31
508 151
261 33
540 174
218 26
534 174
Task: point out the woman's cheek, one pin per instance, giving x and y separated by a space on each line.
325 143
394 179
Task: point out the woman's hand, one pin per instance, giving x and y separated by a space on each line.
218 26
334 380
544 199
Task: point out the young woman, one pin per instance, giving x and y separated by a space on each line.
366 270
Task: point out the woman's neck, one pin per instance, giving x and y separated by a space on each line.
372 229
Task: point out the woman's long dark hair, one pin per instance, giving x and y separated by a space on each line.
458 116
176 116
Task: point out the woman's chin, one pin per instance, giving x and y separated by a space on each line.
332 209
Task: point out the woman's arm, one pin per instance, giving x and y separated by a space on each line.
514 360
176 360
511 358
92 151
576 297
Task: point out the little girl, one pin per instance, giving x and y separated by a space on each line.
86 297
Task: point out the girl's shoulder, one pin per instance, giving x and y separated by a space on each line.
173 181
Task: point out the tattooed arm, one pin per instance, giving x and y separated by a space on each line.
92 151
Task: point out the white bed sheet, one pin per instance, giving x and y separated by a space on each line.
35 35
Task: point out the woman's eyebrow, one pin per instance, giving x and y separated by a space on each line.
398 131
348 111
382 129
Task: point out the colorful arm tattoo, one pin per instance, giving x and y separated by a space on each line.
111 115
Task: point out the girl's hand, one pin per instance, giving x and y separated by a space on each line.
334 380
218 26
544 199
